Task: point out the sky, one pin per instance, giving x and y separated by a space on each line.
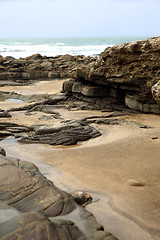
79 18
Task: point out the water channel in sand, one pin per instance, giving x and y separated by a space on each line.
103 167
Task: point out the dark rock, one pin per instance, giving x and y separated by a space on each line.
5 134
18 129
49 100
132 67
82 73
69 133
82 197
154 138
67 86
4 114
76 87
5 125
46 109
41 67
135 102
94 91
23 188
23 227
2 151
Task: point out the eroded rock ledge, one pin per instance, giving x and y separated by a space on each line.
32 207
127 71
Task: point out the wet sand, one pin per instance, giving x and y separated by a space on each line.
42 87
105 167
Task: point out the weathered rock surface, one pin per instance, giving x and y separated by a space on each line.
32 207
68 133
126 71
4 113
41 67
156 92
132 67
129 65
24 225
2 151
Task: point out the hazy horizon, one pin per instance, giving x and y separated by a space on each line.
94 37
79 19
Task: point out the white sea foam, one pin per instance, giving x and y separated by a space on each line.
52 47
49 50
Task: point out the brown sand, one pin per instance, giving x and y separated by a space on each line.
103 167
42 87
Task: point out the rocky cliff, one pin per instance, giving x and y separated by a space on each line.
129 72
133 67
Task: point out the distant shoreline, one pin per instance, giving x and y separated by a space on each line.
50 47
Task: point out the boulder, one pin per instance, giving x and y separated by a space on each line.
46 64
67 86
156 92
4 114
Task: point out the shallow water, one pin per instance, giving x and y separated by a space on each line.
14 100
41 87
102 167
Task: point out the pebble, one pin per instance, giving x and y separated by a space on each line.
154 138
82 197
135 183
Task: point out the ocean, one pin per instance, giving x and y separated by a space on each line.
20 48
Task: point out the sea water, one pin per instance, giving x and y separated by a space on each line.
59 46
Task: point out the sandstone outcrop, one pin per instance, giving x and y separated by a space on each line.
32 207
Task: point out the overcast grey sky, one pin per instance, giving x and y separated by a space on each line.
83 18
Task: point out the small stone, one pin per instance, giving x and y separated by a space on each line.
154 138
82 197
4 113
2 151
135 183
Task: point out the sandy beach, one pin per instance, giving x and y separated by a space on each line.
120 169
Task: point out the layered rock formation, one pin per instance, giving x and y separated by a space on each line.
127 71
32 207
134 68
38 67
68 133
